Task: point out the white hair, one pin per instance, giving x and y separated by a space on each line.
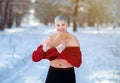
61 17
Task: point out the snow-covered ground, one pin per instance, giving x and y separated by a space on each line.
101 54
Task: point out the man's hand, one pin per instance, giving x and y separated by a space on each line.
60 47
46 47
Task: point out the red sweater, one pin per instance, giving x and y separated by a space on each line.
70 54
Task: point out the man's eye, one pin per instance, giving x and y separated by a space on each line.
58 25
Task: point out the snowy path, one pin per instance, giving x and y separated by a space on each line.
101 54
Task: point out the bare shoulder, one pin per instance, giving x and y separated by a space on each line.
74 41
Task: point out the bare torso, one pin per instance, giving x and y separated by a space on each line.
61 63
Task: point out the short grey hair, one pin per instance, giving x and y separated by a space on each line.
61 17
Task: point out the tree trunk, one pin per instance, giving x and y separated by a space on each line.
75 15
1 17
10 18
18 20
74 25
5 18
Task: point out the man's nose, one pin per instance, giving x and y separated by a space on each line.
61 27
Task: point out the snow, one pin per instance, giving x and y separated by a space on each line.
100 53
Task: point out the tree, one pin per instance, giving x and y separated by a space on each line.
1 15
19 8
75 13
11 10
7 2
80 11
46 11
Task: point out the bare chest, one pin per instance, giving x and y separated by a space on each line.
55 41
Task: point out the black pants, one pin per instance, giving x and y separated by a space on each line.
61 75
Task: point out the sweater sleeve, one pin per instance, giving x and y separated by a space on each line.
38 54
73 55
52 54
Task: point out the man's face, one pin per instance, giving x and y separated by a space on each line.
61 26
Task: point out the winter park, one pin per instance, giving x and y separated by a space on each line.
24 24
